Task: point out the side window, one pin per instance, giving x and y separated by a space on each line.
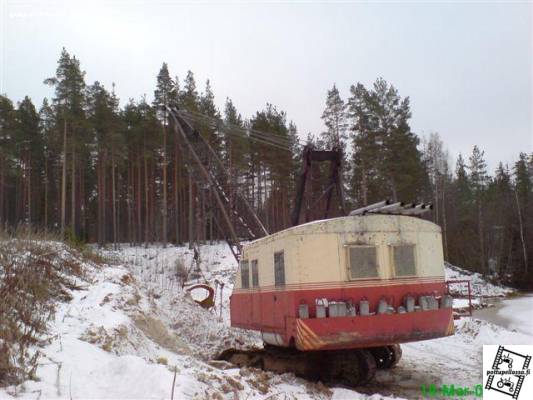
403 257
363 262
279 268
255 274
245 275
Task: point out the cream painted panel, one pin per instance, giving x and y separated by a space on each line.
264 254
318 258
431 254
315 252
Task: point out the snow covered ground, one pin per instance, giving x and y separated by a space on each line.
479 286
133 330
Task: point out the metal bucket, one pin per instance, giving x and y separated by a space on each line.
350 309
382 306
320 309
364 309
410 304
424 304
303 311
446 301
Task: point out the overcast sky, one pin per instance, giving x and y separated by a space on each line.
467 67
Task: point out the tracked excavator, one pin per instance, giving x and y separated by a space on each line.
335 294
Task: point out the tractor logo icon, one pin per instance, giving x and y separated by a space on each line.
506 382
508 372
506 358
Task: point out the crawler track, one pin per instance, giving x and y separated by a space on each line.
347 367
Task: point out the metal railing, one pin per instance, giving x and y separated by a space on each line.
469 295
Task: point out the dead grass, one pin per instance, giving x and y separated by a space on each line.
157 332
162 360
36 271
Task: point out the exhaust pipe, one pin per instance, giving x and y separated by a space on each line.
364 210
391 208
417 209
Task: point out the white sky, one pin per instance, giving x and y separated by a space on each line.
466 66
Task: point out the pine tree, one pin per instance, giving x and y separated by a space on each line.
271 167
365 146
209 126
379 121
189 101
164 96
104 120
436 161
334 117
69 102
236 145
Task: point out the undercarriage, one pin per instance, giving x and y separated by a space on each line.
353 367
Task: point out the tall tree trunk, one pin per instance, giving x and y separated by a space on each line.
364 186
176 198
73 191
101 199
129 203
521 226
99 202
64 180
139 201
481 238
28 177
146 200
81 204
444 222
164 209
3 190
191 228
113 198
154 230
46 180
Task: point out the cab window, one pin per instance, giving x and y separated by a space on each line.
404 260
245 275
362 262
255 274
279 268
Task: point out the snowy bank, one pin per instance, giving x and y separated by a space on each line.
479 285
133 329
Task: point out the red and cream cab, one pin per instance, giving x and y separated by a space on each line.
344 283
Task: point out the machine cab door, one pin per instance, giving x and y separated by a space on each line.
255 300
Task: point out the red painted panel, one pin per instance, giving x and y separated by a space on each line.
276 311
373 330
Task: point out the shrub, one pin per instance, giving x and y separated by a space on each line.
181 271
34 275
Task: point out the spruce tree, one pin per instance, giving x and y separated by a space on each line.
478 180
7 159
29 149
51 151
523 199
189 94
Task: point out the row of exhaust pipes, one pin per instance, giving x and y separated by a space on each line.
388 207
329 309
